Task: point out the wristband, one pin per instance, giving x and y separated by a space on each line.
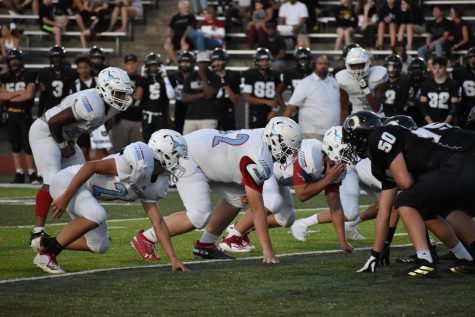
63 145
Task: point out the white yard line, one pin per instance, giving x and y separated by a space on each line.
27 279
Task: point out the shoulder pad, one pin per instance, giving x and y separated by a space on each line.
257 173
377 75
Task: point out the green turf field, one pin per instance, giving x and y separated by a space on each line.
312 283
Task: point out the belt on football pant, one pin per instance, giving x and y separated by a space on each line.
15 110
151 114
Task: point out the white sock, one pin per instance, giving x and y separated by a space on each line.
38 229
357 220
150 234
461 253
424 255
310 221
208 237
233 232
19 170
31 171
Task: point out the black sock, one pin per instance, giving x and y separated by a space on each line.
53 247
389 237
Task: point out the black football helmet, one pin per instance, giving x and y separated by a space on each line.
470 54
15 54
262 54
401 120
356 129
57 55
303 53
394 65
347 48
97 52
417 69
186 57
219 54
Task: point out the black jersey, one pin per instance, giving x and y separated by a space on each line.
466 80
233 79
439 105
201 108
134 112
293 76
447 135
395 96
14 83
55 85
79 85
420 154
413 103
155 96
177 80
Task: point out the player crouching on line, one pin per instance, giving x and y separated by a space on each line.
139 171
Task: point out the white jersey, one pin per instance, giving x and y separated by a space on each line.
88 109
223 156
134 180
363 169
377 75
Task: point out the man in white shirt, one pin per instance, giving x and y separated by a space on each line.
318 98
292 16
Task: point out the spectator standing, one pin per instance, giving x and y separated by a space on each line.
179 23
211 32
292 18
126 9
462 38
367 21
317 97
411 20
256 28
128 124
346 20
48 23
388 19
275 44
438 33
201 87
17 91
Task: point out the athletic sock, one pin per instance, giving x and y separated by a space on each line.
54 247
424 255
43 203
38 229
150 235
19 170
31 171
461 253
208 237
234 232
310 221
357 220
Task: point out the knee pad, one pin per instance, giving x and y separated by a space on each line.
198 219
99 246
285 219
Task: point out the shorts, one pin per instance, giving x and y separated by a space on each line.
18 125
47 28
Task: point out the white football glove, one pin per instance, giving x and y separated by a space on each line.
371 263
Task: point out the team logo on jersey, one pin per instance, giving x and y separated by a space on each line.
86 104
138 152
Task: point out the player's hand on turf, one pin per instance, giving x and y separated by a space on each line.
371 263
384 256
269 258
59 205
69 150
178 266
346 247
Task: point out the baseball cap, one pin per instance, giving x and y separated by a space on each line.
130 58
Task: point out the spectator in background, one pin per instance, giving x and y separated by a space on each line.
346 20
126 9
87 10
100 24
199 6
388 18
438 33
239 11
292 18
401 51
256 28
367 21
275 44
314 9
462 38
211 32
97 59
411 20
48 23
128 124
10 40
179 23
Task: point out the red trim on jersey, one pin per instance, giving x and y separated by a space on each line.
297 177
246 178
332 188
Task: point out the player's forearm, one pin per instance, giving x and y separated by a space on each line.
309 190
232 96
256 101
338 220
259 217
84 173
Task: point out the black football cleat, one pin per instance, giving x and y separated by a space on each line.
463 267
19 178
210 251
422 269
449 256
413 257
34 179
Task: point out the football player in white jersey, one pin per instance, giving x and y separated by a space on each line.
360 83
310 175
231 164
139 171
53 136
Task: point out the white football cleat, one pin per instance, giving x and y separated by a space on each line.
352 231
299 230
235 244
47 262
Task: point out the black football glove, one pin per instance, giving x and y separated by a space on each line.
384 256
371 263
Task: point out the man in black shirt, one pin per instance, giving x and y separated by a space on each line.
54 81
228 91
396 89
97 58
260 91
201 87
17 92
438 32
155 103
275 44
439 96
417 75
465 76
48 23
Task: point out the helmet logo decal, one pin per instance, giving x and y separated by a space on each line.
110 77
176 144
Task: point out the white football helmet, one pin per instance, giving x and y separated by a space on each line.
333 146
168 148
283 138
357 56
115 87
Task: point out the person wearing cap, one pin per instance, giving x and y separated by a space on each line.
128 124
199 90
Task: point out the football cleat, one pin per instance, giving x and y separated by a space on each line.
299 230
422 269
352 231
413 257
35 240
47 262
463 267
34 179
144 247
235 244
19 178
247 241
210 251
449 256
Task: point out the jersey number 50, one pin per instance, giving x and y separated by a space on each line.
386 142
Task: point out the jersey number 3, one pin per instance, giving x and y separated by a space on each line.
239 140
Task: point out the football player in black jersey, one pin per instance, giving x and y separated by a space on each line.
465 76
396 89
54 81
417 75
229 90
155 103
186 63
417 167
260 91
17 92
439 96
97 58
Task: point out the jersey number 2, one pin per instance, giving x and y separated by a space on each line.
239 140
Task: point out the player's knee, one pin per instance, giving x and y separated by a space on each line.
99 245
198 219
352 214
285 219
274 204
